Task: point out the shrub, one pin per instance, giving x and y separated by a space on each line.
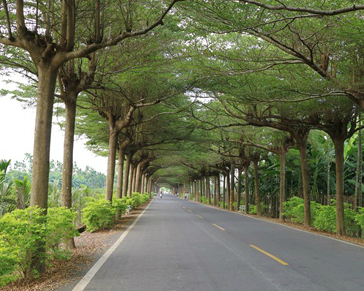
326 219
98 214
253 209
294 210
204 199
119 204
359 217
21 232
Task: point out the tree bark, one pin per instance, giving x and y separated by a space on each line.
339 159
67 170
47 76
119 185
126 174
302 147
282 183
256 187
208 190
232 184
111 161
246 182
238 198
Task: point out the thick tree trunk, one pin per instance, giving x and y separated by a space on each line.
208 190
228 189
358 186
126 175
282 183
111 161
339 159
238 198
68 154
216 187
42 137
47 76
223 190
256 187
67 170
119 184
328 170
246 182
232 183
302 147
131 180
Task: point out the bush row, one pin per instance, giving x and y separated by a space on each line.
23 231
101 214
323 217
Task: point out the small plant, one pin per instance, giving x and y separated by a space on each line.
98 214
21 233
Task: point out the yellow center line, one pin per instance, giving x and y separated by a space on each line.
218 226
199 216
269 255
189 210
183 207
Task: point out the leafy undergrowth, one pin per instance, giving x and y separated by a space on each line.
88 245
353 240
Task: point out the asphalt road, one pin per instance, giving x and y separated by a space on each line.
181 245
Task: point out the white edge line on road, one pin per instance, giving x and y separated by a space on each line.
95 268
279 224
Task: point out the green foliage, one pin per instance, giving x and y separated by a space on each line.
98 214
293 209
21 232
119 205
359 217
253 209
326 219
204 200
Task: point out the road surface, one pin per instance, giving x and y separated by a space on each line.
181 245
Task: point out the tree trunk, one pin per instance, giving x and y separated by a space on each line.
256 187
47 76
126 174
67 170
223 191
119 184
282 183
216 186
246 182
228 189
111 161
358 183
208 190
232 182
238 198
328 170
339 160
302 147
68 154
42 136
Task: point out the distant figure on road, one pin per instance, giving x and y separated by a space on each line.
186 196
161 194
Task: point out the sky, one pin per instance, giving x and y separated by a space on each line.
17 136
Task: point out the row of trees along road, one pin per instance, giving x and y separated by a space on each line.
181 91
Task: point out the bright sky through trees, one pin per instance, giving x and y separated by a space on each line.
17 134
